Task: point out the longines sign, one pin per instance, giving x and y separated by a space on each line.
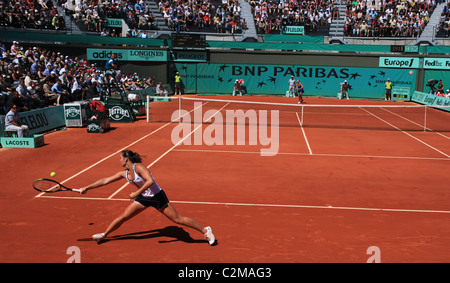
127 54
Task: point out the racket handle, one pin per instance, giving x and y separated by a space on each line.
77 190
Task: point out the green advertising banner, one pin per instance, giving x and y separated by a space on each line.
114 23
188 73
44 119
431 100
293 30
127 54
436 63
41 120
399 62
204 78
400 93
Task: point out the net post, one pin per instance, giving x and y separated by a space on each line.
302 117
147 108
425 120
179 109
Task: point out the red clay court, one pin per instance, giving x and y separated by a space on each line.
341 182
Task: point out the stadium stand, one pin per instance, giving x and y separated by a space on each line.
444 22
315 16
79 79
389 19
142 18
30 15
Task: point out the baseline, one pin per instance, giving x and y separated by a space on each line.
274 205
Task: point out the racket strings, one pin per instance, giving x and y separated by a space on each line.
47 186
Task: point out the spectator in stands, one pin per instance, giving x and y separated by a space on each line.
92 91
13 123
444 22
51 96
64 79
48 70
149 82
15 99
16 75
15 47
111 63
35 66
160 90
76 88
57 88
5 86
29 99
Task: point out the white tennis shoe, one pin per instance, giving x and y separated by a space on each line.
99 236
209 236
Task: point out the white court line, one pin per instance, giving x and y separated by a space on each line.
278 205
404 118
115 153
304 134
395 127
170 149
317 154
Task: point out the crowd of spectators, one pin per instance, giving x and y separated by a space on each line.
31 14
444 22
180 15
35 77
92 15
198 15
363 18
396 18
314 15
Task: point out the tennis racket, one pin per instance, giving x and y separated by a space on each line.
50 186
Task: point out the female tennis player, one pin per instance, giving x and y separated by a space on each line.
148 194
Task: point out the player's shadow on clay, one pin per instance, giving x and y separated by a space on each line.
177 233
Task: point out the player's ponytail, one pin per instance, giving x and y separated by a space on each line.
134 157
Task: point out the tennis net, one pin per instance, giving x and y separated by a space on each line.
246 111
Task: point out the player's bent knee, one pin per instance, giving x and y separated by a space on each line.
178 220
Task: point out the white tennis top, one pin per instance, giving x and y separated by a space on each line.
138 181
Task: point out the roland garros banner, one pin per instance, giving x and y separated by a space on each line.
204 78
431 100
